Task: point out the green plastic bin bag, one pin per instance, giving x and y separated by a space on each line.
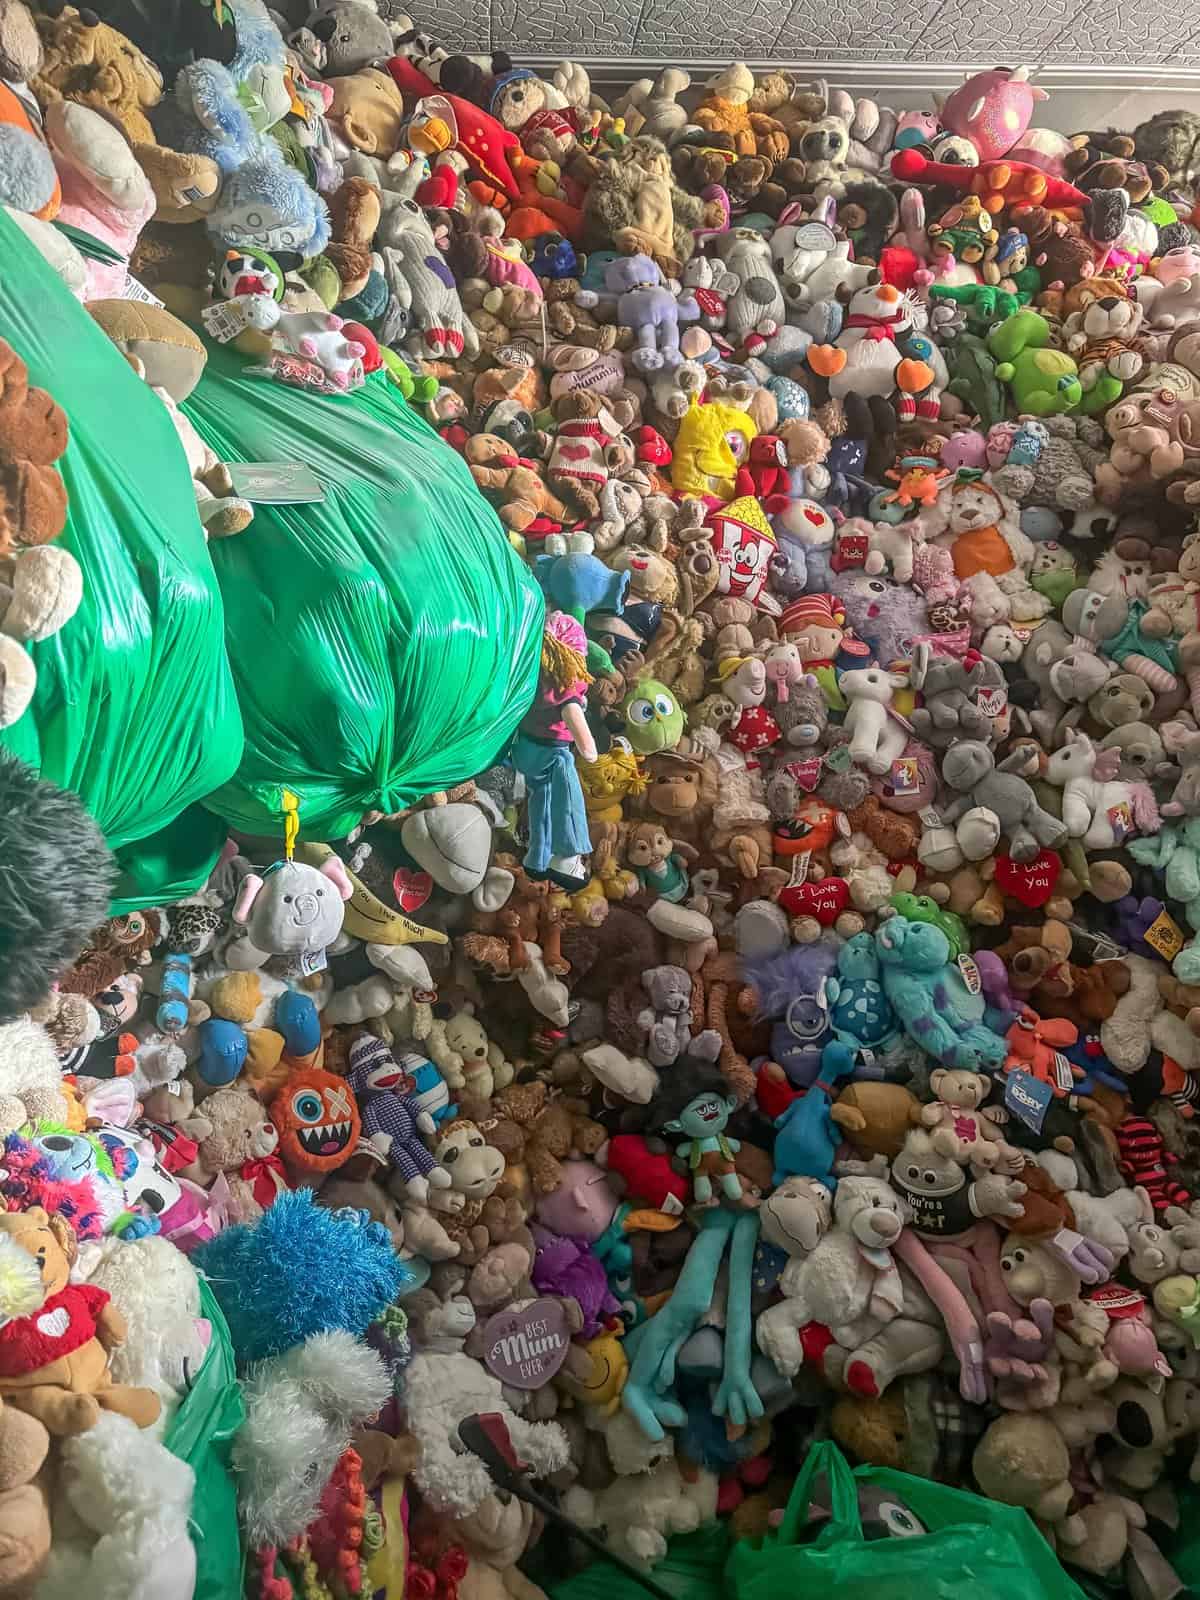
385 640
201 1433
692 1569
975 1549
135 708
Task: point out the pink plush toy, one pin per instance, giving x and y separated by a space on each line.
993 110
1130 1345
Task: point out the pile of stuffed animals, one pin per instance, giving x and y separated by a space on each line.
796 1033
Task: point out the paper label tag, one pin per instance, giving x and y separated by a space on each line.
1027 1098
906 775
672 1205
1120 820
1165 936
930 817
1117 1301
992 701
1064 1077
138 291
308 962
275 483
799 872
225 319
842 823
806 773
970 974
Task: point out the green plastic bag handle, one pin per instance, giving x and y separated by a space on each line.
826 1458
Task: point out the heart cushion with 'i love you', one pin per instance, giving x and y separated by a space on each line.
825 900
1030 882
411 889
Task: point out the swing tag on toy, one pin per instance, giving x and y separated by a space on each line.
1064 1078
134 290
799 872
970 974
930 817
906 777
1164 936
838 759
1027 1098
1120 820
225 319
992 701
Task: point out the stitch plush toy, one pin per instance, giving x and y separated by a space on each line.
930 998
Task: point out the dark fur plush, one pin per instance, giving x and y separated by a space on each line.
1171 138
56 878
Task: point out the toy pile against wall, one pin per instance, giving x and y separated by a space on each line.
792 1034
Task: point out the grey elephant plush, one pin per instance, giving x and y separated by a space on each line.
949 687
290 910
970 769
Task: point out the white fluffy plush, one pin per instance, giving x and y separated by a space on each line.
300 1410
122 1530
640 1513
30 1075
156 1289
439 1391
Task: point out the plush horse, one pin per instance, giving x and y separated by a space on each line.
806 1138
1097 807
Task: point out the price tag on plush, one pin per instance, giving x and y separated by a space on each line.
1027 1098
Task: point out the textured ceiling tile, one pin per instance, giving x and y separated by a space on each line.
870 28
980 30
676 28
548 25
1107 32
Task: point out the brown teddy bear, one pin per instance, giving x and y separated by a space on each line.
497 468
1034 957
636 204
33 435
87 61
54 1362
24 1516
1106 161
538 1132
242 1145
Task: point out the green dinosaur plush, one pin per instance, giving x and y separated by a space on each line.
983 303
1043 381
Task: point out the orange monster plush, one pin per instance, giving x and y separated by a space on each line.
317 1118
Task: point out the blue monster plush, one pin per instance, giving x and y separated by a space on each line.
806 1137
300 1270
932 1000
859 1010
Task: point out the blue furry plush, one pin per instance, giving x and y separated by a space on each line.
268 205
300 1270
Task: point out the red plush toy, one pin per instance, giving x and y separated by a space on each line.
765 473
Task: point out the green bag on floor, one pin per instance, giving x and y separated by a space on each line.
384 641
691 1570
201 1433
134 709
975 1549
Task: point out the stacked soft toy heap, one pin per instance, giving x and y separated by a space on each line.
801 1019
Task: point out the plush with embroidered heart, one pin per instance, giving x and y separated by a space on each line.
1029 882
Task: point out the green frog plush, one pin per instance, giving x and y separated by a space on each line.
1043 381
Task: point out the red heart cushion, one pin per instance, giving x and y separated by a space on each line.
825 900
1030 882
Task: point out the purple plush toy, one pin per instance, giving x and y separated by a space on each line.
566 1266
636 291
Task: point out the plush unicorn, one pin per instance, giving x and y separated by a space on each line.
1098 808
